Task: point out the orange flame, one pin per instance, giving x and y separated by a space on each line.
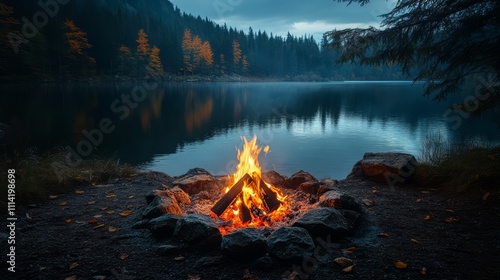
252 194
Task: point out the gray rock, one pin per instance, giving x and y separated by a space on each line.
197 229
196 180
247 243
164 226
310 187
390 168
274 178
298 178
338 200
210 262
351 217
290 244
323 222
142 224
161 205
327 185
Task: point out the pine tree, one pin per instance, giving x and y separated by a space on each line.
222 64
126 61
155 61
8 31
244 64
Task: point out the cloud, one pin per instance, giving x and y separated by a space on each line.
298 17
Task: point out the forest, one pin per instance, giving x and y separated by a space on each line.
122 40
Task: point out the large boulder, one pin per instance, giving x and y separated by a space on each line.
247 243
274 178
196 180
290 244
323 222
338 200
389 168
298 178
163 226
197 229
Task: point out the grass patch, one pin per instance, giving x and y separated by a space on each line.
469 165
36 177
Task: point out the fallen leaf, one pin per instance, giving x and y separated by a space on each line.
93 184
28 216
68 220
415 241
72 277
41 268
63 203
351 249
80 222
449 210
485 196
99 226
98 216
450 220
427 218
93 221
418 200
91 202
73 265
130 205
383 234
122 256
179 258
374 190
400 264
104 208
110 212
131 196
423 271
126 213
52 196
368 202
111 228
348 269
111 195
425 192
79 192
343 262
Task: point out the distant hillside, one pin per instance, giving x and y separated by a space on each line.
102 38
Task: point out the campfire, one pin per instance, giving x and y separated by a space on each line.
249 200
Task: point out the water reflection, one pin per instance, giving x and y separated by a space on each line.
323 128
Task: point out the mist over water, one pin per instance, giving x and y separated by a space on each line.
322 128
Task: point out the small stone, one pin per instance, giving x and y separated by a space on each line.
196 180
388 167
274 178
338 200
142 224
310 187
168 250
160 206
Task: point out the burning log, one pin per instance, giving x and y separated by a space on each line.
244 212
270 197
231 195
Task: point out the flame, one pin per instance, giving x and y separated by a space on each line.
252 194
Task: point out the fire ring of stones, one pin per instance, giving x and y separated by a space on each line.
182 211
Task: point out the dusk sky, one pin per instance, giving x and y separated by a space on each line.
298 17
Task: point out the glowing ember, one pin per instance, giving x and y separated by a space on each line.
257 203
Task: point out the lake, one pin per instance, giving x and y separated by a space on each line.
322 128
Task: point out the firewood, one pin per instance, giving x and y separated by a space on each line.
244 212
226 200
270 198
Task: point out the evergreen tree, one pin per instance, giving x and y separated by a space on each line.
79 61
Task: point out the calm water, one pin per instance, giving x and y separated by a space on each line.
323 128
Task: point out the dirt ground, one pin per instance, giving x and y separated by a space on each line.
88 235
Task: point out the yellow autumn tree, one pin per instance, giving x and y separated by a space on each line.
142 44
155 61
207 54
236 53
80 62
196 47
187 50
